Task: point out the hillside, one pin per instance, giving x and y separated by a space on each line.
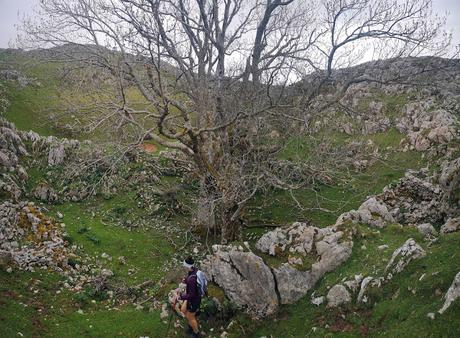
92 237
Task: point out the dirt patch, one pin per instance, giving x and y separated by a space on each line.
148 147
341 325
9 294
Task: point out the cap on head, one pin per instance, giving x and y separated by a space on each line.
188 262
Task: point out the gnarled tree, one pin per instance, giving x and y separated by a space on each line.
213 76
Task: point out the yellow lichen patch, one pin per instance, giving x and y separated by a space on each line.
42 231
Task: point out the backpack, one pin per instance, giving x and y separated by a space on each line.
201 283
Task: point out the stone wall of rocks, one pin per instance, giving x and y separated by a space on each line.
417 198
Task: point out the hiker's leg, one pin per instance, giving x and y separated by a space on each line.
183 308
192 321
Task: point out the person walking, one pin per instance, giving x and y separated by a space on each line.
191 297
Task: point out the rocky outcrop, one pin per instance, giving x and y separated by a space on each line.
45 193
56 154
452 294
426 126
12 174
327 247
13 75
414 199
372 212
449 182
253 284
298 238
451 225
427 230
337 296
42 244
244 277
402 256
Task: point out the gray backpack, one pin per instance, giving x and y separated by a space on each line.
202 283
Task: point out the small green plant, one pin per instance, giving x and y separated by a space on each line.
82 230
93 239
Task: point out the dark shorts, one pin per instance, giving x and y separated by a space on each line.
193 306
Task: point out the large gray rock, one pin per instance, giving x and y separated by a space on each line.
45 193
427 230
452 294
402 256
451 225
293 284
449 181
426 126
56 154
414 199
328 248
244 277
372 212
298 237
248 281
337 296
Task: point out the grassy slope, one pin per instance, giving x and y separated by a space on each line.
144 250
338 198
47 314
53 315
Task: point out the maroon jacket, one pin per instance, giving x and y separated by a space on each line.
191 292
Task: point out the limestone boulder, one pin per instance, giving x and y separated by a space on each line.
327 247
449 182
427 230
337 296
372 212
56 154
402 256
452 294
244 277
451 225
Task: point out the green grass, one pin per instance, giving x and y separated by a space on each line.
278 206
402 316
145 250
48 314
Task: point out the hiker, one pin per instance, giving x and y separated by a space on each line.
191 297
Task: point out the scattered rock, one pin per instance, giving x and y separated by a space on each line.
402 256
317 300
427 230
452 294
164 311
45 193
337 296
361 296
452 225
372 212
56 154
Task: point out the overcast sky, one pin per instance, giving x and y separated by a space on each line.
12 10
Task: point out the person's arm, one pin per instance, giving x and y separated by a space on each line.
191 287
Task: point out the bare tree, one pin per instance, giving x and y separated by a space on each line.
212 77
